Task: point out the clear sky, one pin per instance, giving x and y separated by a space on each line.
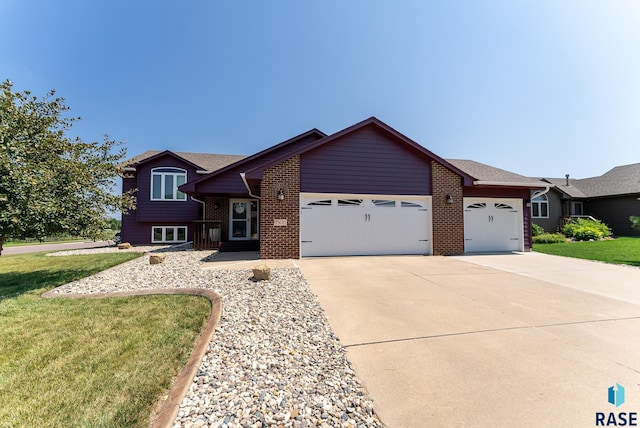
537 87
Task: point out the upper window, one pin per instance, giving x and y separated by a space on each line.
540 207
165 183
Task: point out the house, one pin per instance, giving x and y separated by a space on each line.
365 190
612 197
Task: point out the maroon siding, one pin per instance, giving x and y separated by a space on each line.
230 183
366 161
136 226
615 212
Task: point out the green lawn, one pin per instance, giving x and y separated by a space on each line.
624 251
86 362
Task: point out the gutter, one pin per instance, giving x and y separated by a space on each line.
246 184
510 184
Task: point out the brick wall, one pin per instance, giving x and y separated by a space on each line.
221 213
448 219
278 241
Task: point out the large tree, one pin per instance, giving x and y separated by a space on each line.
51 183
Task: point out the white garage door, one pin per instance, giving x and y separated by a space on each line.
493 224
332 225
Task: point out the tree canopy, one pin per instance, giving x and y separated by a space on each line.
51 183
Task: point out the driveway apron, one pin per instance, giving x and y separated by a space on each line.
442 341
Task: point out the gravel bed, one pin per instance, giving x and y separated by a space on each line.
273 360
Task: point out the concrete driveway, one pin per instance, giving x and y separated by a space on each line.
492 340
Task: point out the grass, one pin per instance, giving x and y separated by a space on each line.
625 251
86 362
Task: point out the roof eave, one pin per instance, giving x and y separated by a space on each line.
535 185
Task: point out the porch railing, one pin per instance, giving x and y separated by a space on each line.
206 234
567 218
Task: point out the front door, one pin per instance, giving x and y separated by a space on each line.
243 219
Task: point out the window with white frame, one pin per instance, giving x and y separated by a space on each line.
540 207
165 182
168 234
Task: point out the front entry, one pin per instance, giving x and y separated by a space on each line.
243 219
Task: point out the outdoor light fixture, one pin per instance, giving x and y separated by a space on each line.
280 195
449 198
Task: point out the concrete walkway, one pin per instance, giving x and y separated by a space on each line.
523 340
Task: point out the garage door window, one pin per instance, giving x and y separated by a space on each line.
384 203
503 207
479 205
321 203
349 202
406 204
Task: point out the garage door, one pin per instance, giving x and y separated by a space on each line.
332 225
493 224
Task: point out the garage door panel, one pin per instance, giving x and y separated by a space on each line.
493 224
364 225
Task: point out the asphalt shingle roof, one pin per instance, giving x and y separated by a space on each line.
484 172
621 180
207 161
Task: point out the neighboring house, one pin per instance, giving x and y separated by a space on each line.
612 197
365 190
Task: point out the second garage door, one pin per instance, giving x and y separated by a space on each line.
493 224
332 225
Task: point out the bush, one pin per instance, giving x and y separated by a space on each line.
584 230
536 230
549 238
635 222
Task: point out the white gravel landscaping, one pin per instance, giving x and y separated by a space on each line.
273 360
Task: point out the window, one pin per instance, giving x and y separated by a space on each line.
540 207
168 234
349 202
321 203
384 203
165 183
407 204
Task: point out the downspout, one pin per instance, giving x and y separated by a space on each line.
246 184
203 205
540 193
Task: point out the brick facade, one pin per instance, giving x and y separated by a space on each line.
216 208
448 219
279 241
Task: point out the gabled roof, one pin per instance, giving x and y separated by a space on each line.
621 180
204 161
191 185
256 172
486 174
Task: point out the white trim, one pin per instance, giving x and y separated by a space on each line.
163 176
539 203
164 234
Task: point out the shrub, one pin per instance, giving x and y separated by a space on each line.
536 230
635 222
549 238
584 229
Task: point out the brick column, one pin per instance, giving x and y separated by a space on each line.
221 213
448 219
280 220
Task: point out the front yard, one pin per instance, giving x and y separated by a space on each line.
86 362
624 251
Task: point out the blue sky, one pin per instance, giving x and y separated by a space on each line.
541 88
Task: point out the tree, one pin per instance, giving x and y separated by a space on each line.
50 183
